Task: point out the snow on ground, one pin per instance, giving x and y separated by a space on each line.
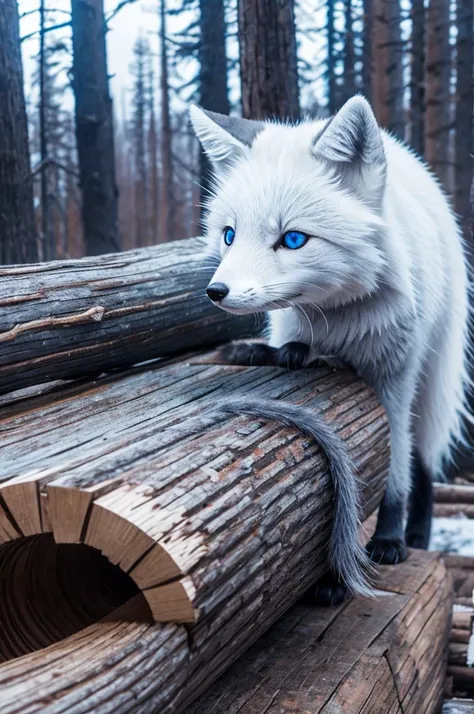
453 535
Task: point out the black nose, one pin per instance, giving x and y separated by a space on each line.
217 291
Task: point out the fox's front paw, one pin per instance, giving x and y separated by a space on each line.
293 355
248 354
386 551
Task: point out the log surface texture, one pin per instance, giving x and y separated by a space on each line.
220 525
71 318
386 656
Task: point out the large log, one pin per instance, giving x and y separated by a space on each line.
65 319
221 525
386 656
382 656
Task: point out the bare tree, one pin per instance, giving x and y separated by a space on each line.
139 121
154 193
464 140
49 252
396 118
417 82
379 52
17 226
268 62
438 91
167 193
213 92
367 49
349 77
94 128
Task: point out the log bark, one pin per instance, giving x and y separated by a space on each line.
384 655
368 657
268 62
94 128
17 223
65 319
222 525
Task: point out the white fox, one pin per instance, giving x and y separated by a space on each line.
345 238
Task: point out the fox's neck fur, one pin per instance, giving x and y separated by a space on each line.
381 281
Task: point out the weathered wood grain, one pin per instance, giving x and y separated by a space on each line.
200 511
72 318
378 657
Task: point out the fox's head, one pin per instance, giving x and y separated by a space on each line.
296 216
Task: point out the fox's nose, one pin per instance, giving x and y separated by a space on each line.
217 291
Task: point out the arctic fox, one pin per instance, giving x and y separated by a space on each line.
345 238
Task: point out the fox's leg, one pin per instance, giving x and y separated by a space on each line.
387 545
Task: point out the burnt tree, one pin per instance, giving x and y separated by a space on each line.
268 62
17 226
94 128
396 120
367 49
438 92
417 83
213 91
379 61
464 143
349 78
167 194
331 57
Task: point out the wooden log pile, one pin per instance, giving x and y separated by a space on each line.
145 543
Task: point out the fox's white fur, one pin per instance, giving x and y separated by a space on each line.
382 281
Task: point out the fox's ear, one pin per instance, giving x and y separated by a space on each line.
351 142
224 139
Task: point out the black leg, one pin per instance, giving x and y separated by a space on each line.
327 591
418 530
293 355
387 545
248 354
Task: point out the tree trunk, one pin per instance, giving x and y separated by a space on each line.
213 72
438 91
222 522
464 118
167 193
368 22
66 319
396 114
268 62
380 40
417 83
94 128
17 224
349 54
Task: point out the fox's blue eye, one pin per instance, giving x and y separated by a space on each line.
229 235
294 240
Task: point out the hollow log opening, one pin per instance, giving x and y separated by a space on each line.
49 591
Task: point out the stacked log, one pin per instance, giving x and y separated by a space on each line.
220 526
67 319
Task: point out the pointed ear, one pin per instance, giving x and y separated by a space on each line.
351 142
224 139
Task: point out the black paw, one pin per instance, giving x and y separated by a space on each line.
293 355
386 551
248 354
417 540
327 592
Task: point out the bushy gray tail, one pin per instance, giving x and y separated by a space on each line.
348 559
